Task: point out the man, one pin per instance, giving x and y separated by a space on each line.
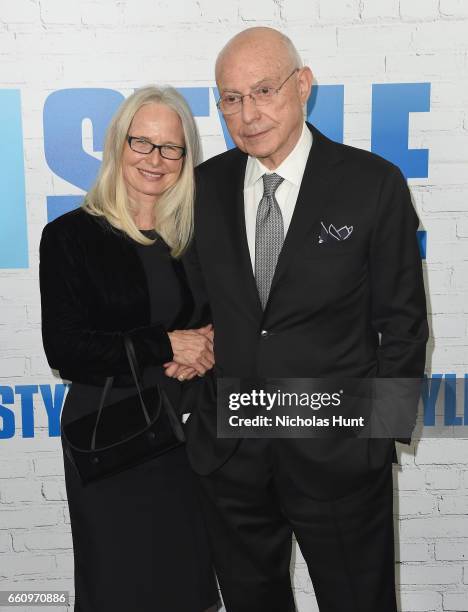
309 256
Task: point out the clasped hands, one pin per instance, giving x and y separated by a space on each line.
192 352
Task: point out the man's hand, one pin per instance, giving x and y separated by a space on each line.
193 352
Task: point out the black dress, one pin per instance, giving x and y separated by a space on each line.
138 537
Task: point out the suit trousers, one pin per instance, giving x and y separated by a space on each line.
262 495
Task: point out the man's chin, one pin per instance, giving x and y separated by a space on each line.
260 151
258 146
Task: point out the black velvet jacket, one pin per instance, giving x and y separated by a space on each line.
93 291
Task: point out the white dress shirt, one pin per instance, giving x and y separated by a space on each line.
291 170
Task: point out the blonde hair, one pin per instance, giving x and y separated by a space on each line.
108 197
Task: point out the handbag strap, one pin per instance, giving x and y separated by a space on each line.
135 369
132 360
136 373
105 391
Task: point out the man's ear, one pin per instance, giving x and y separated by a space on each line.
305 80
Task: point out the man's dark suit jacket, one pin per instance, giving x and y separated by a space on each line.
351 308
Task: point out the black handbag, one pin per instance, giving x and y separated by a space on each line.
136 429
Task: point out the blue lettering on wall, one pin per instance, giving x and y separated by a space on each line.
27 393
53 406
13 227
7 417
53 397
198 98
450 399
391 105
429 393
64 113
65 110
430 390
325 110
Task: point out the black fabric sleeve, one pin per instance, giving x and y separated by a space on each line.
70 343
202 313
398 297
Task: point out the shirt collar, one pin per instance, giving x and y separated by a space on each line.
291 168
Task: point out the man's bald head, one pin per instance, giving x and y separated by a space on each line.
261 68
260 40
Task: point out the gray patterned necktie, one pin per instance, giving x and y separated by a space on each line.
269 236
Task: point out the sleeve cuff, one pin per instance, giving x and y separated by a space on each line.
152 345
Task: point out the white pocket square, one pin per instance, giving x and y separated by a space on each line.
340 234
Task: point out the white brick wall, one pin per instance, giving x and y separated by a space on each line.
47 45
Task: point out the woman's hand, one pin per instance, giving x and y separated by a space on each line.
174 370
192 348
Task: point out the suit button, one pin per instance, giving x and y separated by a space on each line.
264 334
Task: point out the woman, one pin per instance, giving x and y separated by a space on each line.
108 269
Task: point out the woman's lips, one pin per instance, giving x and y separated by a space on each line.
151 176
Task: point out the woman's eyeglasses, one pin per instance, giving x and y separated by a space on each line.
141 145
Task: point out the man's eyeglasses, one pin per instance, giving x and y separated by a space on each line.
231 103
141 145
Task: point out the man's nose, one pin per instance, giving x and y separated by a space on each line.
249 110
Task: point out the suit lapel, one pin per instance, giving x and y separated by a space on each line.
312 197
310 203
235 216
